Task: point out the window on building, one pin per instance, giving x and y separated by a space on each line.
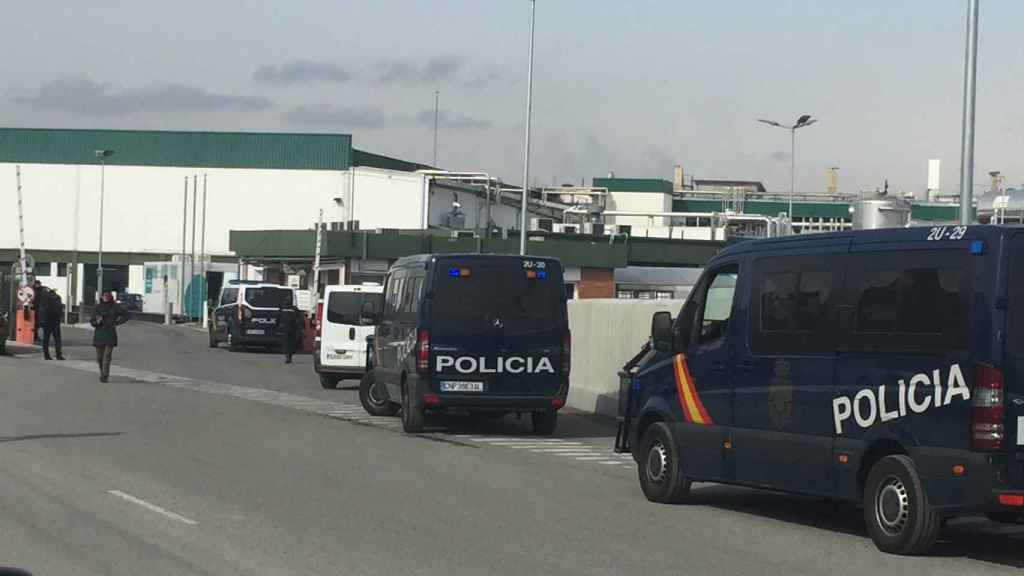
43 269
624 294
62 270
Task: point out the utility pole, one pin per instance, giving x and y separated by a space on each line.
526 153
192 258
184 231
204 293
316 254
437 112
967 127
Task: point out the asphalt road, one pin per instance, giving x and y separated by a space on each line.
199 461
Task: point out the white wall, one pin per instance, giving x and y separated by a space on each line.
383 199
143 205
639 202
474 208
605 335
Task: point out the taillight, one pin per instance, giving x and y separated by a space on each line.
319 318
987 414
423 352
566 353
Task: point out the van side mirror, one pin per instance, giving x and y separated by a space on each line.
368 314
661 331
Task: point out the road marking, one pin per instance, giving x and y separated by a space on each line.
152 507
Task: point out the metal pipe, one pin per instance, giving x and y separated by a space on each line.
792 169
526 153
967 127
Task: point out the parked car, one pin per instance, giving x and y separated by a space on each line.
130 302
339 351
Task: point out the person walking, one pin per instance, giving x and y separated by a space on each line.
291 331
105 319
38 295
52 313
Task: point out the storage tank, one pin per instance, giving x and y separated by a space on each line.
872 213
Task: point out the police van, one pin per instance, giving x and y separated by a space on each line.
339 349
471 333
881 367
247 312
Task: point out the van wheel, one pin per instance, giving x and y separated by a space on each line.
896 510
659 467
374 399
232 342
412 416
544 423
329 381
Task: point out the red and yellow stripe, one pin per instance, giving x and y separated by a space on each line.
693 408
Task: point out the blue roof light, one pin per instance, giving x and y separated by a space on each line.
542 274
978 247
453 272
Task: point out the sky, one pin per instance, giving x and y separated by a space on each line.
630 87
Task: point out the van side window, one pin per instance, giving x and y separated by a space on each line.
392 294
791 305
794 301
910 300
229 296
414 294
717 307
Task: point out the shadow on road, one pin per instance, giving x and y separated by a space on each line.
5 439
6 571
974 538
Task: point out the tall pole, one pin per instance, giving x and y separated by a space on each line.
437 111
204 295
73 276
967 128
316 254
526 153
792 172
99 257
192 258
184 232
21 227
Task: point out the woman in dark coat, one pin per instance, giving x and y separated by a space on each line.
105 319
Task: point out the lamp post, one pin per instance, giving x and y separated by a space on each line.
102 155
801 122
967 122
526 153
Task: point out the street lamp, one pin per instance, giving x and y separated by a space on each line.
526 154
102 156
801 122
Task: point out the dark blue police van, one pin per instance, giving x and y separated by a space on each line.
471 333
881 367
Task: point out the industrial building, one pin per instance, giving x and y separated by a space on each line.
173 198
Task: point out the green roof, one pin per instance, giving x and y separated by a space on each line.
360 158
936 212
634 185
186 149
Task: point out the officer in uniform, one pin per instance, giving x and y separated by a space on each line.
291 331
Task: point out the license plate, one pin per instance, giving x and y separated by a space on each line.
461 386
338 355
254 331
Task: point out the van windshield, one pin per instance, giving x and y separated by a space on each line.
345 307
268 297
481 296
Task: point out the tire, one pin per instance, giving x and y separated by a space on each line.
896 510
660 468
370 398
232 342
329 381
544 423
412 415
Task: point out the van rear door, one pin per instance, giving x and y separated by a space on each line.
343 337
1014 368
500 322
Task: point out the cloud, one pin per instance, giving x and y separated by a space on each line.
331 115
779 156
405 71
301 72
84 96
448 120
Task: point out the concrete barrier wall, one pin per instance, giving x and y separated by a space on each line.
605 335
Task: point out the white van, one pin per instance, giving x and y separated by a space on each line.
340 347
